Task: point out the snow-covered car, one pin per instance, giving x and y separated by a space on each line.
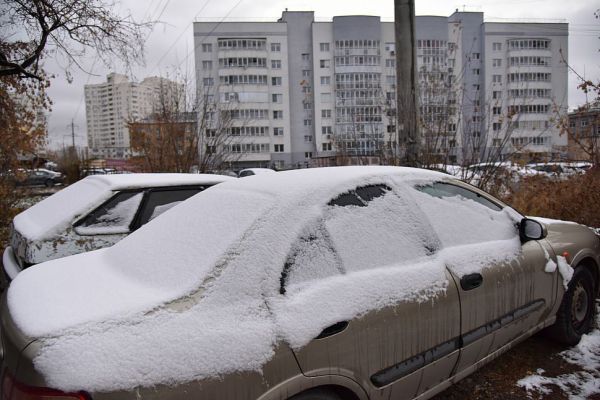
93 213
255 171
334 283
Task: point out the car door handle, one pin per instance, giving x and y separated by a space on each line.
471 281
333 329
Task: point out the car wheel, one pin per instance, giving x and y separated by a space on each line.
49 183
317 394
575 316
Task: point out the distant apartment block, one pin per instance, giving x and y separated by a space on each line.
307 91
114 103
583 133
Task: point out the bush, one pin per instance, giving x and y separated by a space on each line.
575 199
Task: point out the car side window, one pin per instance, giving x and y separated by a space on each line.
443 189
460 216
312 257
159 201
387 229
112 217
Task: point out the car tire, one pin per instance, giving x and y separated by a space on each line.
317 394
48 183
576 314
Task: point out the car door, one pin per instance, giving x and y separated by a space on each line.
387 308
502 296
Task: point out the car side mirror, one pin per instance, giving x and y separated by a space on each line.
530 229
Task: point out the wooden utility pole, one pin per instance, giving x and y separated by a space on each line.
406 81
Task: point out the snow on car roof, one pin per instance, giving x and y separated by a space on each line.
51 215
198 288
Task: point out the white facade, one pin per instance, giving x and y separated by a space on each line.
525 83
325 87
110 105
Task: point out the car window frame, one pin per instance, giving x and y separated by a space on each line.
470 188
135 222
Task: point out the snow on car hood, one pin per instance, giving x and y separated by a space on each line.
195 293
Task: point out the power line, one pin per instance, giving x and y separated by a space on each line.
211 31
179 37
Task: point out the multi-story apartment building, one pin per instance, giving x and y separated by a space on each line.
320 90
583 133
111 105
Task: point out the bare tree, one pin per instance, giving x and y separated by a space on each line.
34 29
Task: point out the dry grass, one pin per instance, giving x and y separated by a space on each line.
574 199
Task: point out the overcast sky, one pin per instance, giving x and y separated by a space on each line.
170 43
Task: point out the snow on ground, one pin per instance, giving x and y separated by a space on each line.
577 385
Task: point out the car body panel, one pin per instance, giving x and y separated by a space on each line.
389 338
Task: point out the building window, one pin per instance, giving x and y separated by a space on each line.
496 110
308 122
277 97
306 73
307 105
497 78
278 148
326 146
324 63
276 81
277 114
496 126
326 130
276 64
475 71
308 154
497 62
390 63
208 81
305 57
476 87
496 142
475 56
275 46
497 46
326 113
324 46
325 80
277 131
496 94
307 138
206 64
206 47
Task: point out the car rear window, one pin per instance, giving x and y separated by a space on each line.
159 201
113 217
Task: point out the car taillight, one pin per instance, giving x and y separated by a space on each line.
13 390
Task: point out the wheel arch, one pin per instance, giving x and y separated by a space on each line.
589 263
345 387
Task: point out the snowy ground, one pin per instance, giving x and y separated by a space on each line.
537 369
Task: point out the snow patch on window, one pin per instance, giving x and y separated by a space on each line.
114 220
